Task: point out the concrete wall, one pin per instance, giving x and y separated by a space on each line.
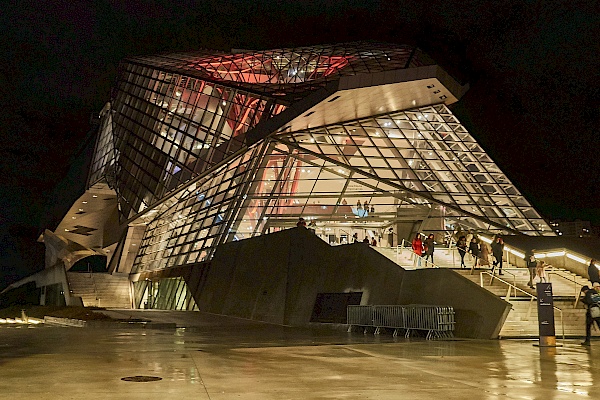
276 278
478 312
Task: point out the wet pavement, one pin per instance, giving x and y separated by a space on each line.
223 358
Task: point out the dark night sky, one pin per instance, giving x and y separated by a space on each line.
533 67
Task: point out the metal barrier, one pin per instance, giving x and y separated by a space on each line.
360 315
438 321
389 317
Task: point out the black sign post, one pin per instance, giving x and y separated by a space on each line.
546 314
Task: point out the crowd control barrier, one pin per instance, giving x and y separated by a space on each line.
437 321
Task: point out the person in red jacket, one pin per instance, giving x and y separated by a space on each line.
417 248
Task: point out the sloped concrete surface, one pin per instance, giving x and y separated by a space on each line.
216 357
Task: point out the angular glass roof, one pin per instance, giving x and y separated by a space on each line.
283 72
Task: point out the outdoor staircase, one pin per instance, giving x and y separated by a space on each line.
522 320
100 289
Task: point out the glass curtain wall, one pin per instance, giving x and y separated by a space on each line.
104 155
166 294
169 128
364 175
291 72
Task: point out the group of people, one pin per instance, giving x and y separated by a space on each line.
480 251
423 248
372 242
591 295
536 268
365 207
312 226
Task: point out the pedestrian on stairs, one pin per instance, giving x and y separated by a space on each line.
531 263
540 271
429 245
417 248
498 252
592 301
594 274
461 245
484 255
474 250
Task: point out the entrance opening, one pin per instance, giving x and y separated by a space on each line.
331 307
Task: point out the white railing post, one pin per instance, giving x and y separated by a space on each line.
529 308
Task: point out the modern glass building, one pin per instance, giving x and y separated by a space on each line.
198 149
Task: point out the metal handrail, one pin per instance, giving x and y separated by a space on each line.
512 287
577 293
506 270
402 247
94 285
533 297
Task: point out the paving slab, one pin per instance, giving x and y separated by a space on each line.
215 357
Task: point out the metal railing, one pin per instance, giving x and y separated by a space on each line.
420 263
438 321
493 275
404 249
512 289
91 276
527 294
576 284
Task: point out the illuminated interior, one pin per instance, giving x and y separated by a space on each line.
173 145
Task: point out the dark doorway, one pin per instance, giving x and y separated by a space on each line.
331 307
95 263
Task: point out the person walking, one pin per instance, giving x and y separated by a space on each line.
531 263
474 251
486 251
355 238
461 245
594 274
469 237
429 247
417 248
540 271
374 242
592 300
301 223
498 252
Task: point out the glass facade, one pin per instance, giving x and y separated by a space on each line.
173 146
415 164
165 294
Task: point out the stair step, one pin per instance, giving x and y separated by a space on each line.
520 321
101 290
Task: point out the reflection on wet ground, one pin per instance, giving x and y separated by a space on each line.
221 358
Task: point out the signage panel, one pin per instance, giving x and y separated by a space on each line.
545 309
